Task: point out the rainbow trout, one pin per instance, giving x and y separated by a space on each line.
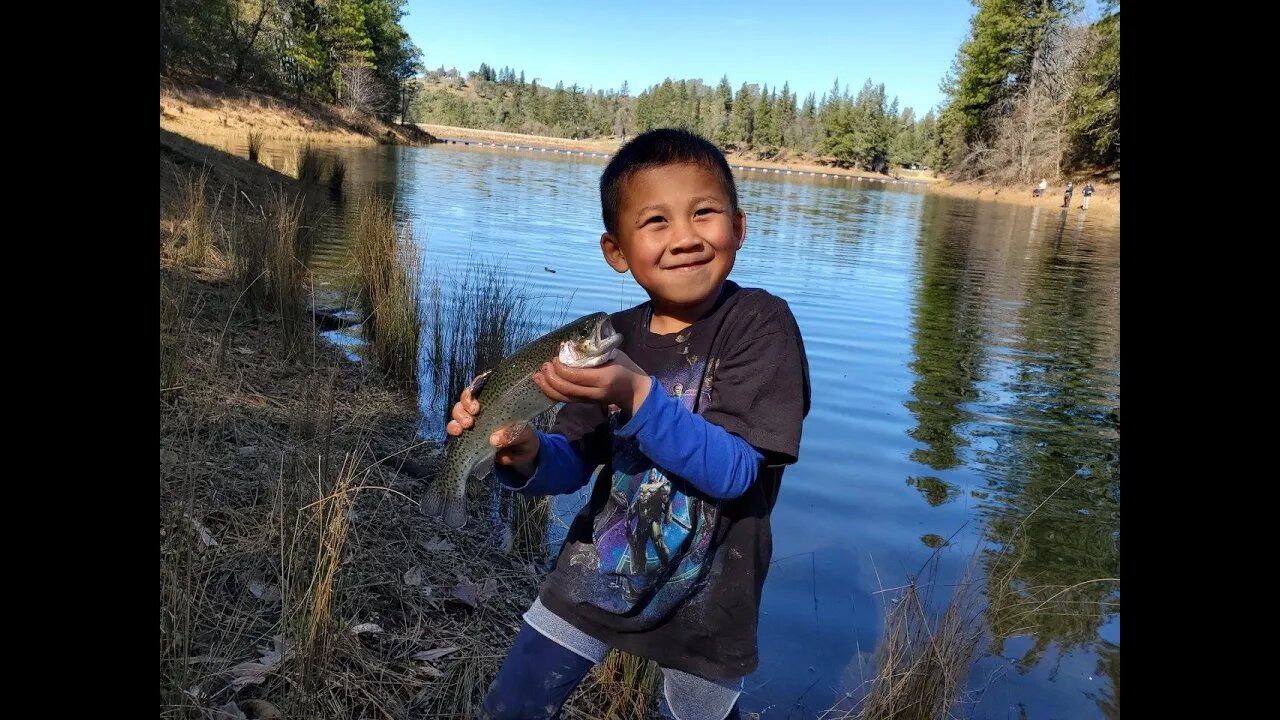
508 401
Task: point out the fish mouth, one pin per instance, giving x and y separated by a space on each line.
606 338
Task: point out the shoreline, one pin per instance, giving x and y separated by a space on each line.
1105 201
212 110
192 109
605 148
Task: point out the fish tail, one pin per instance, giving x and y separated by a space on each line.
433 503
444 500
447 496
455 506
455 513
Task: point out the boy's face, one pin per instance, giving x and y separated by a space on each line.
678 234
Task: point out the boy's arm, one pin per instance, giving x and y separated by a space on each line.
567 456
559 469
761 393
759 398
710 458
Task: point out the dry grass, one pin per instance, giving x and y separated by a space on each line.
270 259
483 318
289 275
173 334
530 519
389 268
255 145
623 687
311 166
196 237
209 109
280 533
924 656
251 246
337 174
314 554
297 574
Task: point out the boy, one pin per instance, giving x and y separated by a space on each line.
693 422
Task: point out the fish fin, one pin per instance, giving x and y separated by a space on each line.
433 503
437 503
478 383
455 513
511 431
481 469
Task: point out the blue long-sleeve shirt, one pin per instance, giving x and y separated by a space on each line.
715 461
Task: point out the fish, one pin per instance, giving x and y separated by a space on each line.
509 400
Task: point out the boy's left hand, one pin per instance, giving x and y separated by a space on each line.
619 382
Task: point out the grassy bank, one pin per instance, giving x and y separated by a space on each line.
210 109
297 575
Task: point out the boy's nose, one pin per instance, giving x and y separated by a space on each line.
686 238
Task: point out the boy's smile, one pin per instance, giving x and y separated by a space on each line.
678 234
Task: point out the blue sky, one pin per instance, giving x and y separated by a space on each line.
907 45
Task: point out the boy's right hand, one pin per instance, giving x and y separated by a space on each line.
516 450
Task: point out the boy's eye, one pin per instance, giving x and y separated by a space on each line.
653 219
704 211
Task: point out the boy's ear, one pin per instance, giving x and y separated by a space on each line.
740 228
612 250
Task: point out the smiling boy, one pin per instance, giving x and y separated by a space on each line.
693 423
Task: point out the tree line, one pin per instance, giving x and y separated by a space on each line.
1033 92
350 52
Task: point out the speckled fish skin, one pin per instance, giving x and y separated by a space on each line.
508 399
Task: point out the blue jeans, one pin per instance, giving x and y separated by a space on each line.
537 677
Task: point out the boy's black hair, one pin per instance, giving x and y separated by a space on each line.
656 148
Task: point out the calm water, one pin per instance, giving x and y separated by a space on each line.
965 357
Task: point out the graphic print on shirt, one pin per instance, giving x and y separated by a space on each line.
652 537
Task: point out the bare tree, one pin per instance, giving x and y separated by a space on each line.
1028 130
622 119
243 33
362 89
409 89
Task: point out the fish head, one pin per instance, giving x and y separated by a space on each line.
589 342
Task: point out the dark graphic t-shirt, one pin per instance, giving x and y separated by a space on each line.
652 565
